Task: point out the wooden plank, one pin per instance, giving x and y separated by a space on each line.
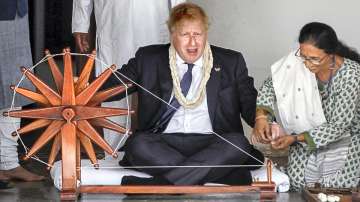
69 175
113 189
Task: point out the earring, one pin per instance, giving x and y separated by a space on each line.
332 65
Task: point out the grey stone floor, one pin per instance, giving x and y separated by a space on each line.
44 191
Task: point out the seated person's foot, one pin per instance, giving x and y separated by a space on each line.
4 181
3 177
5 184
20 173
133 180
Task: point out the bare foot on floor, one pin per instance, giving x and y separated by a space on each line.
3 177
20 173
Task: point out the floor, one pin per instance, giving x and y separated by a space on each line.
45 191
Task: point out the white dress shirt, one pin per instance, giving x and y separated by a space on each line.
192 120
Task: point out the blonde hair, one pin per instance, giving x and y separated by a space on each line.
187 11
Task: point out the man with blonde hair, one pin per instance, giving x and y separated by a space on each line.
196 130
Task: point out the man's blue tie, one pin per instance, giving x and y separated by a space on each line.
185 84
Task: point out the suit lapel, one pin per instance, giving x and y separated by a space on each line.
212 87
165 80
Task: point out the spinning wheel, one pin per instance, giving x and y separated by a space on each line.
71 111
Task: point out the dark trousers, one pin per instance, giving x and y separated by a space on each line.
179 149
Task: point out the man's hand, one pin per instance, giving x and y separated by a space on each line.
82 41
261 132
283 142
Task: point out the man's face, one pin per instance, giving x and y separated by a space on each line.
189 39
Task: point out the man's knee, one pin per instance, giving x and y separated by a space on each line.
237 142
138 144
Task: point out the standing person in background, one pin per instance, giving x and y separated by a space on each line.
122 26
14 52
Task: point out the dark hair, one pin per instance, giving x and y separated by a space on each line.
324 37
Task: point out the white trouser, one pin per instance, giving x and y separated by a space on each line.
8 143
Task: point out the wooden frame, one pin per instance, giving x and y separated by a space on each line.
69 113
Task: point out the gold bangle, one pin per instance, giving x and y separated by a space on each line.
261 117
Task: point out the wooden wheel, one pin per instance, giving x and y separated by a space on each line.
69 113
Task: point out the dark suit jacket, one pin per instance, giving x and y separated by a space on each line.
230 91
10 7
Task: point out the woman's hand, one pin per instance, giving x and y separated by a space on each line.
261 131
283 142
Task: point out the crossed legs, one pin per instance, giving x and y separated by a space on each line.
208 150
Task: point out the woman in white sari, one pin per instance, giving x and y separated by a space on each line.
317 92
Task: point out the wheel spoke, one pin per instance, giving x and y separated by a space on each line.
68 92
31 95
41 113
33 126
106 123
84 97
84 112
56 73
54 149
47 135
89 149
49 93
90 132
85 74
106 94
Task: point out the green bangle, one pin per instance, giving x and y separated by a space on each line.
296 141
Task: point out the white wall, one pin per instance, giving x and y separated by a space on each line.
265 30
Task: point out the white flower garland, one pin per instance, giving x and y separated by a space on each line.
207 66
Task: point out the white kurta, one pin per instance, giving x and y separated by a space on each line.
122 26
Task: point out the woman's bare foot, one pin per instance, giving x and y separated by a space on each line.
20 173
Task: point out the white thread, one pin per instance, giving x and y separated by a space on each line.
195 166
39 160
